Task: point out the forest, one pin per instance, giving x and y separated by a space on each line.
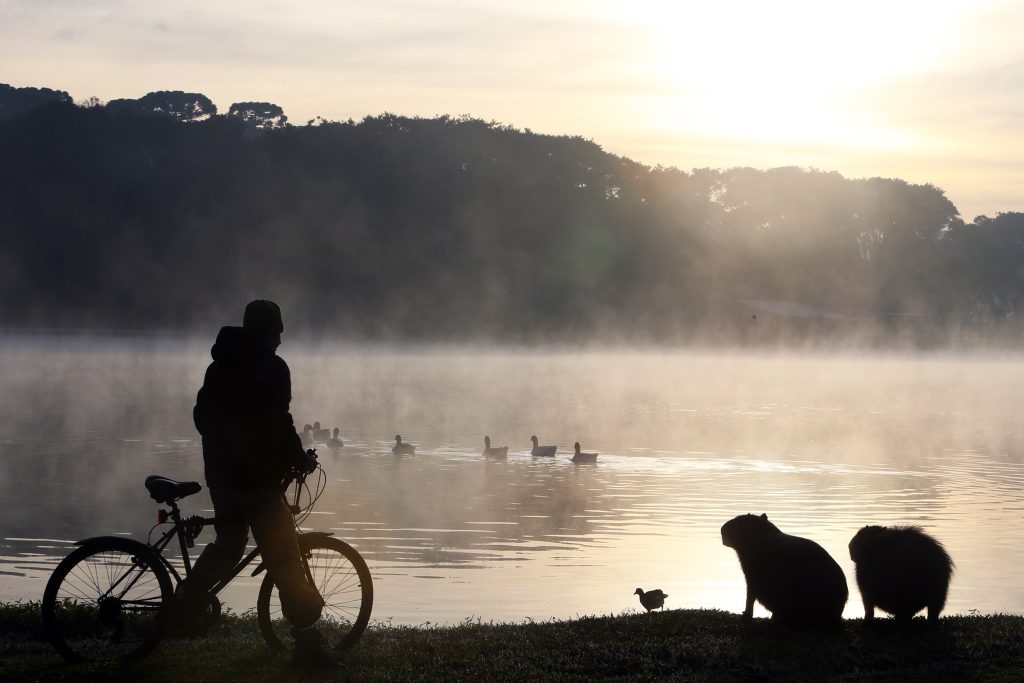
161 215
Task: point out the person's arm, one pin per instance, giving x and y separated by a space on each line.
282 423
201 413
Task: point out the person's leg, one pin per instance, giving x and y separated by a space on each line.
217 558
274 530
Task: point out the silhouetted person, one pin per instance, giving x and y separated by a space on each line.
249 447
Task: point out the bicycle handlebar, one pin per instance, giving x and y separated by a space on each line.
297 478
310 465
297 472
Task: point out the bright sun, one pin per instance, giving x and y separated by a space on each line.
791 71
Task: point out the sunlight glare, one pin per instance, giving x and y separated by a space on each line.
790 71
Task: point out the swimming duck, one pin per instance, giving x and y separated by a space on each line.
305 437
320 435
542 451
402 448
499 452
335 441
583 457
652 599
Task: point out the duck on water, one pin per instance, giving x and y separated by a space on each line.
542 451
496 452
401 447
583 457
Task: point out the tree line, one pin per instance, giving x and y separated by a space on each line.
161 214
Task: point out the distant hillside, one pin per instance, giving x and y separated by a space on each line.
161 214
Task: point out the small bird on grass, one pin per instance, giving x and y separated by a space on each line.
652 599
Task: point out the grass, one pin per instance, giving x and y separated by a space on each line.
698 645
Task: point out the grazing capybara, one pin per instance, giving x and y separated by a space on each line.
901 570
794 578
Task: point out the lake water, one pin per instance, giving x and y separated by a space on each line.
821 443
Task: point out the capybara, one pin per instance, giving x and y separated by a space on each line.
794 578
901 570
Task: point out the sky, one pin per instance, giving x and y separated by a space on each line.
928 91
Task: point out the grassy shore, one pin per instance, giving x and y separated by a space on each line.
700 645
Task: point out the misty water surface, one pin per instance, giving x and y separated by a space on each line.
822 444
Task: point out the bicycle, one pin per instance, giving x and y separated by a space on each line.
110 598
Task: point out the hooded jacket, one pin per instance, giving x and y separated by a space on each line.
241 411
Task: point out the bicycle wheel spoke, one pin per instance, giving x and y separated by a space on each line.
83 589
106 600
344 583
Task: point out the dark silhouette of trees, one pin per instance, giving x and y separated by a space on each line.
183 106
455 228
258 116
17 101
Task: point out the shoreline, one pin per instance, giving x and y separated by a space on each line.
706 645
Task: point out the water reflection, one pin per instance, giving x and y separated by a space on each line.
823 445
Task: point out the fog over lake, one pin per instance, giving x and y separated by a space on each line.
823 444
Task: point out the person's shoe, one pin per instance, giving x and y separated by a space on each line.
184 621
182 629
310 653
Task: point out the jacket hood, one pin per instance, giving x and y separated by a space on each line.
237 346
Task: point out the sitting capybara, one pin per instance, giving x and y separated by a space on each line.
901 570
794 578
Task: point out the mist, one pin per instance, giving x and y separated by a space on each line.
821 442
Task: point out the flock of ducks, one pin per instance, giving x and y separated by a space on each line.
406 448
312 434
549 451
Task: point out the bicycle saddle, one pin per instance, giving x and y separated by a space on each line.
164 490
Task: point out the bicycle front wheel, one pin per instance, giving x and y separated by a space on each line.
343 579
107 600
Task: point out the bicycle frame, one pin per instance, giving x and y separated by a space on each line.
188 529
182 528
186 540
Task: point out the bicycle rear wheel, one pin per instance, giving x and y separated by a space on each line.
107 600
343 579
